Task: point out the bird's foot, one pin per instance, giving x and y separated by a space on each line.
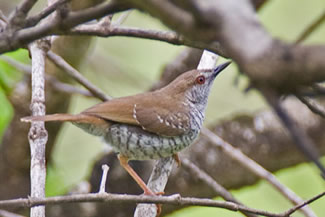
159 206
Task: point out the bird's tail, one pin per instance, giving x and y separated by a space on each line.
91 124
56 117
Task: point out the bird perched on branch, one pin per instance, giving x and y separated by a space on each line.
149 125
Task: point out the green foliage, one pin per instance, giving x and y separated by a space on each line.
54 182
9 76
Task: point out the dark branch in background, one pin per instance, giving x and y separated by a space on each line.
312 105
302 140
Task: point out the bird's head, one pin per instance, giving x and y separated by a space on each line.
195 85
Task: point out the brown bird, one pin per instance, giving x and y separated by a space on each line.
149 125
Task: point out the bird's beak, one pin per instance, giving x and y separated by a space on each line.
221 67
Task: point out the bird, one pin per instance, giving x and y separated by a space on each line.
150 125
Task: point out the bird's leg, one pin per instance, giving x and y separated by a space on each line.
177 159
124 162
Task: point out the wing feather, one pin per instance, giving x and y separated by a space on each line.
150 111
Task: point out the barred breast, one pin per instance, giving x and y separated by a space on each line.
138 144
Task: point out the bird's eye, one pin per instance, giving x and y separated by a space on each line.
200 79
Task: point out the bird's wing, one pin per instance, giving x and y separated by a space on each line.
151 113
162 120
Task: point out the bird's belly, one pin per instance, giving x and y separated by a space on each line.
137 144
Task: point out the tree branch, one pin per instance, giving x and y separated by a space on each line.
173 199
33 20
38 135
159 35
21 11
10 41
312 105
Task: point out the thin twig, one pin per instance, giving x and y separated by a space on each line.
55 83
255 168
122 18
294 209
105 169
311 28
312 105
67 88
158 35
60 62
208 180
16 64
125 198
33 20
302 140
106 31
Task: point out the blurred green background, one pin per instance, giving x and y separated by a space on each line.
123 66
